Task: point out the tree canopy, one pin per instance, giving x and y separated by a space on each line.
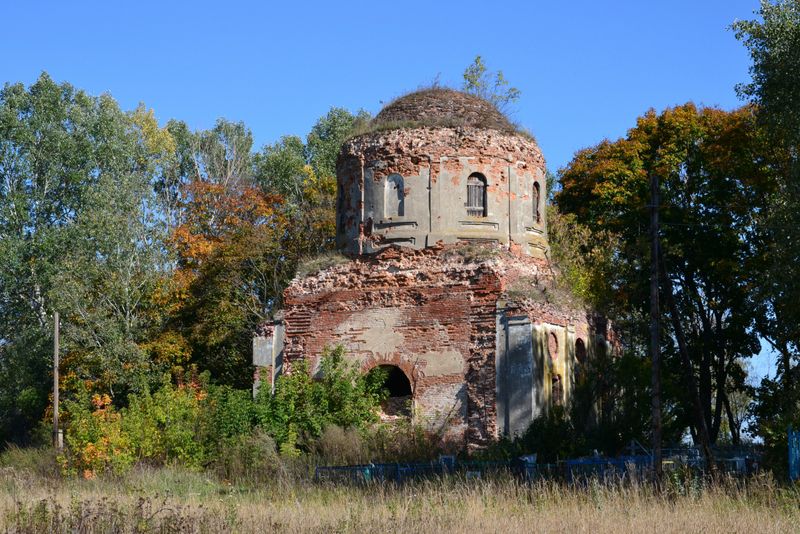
714 180
161 247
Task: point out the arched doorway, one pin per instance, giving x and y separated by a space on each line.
396 383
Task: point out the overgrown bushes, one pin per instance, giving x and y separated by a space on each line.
609 406
330 415
303 406
197 424
169 425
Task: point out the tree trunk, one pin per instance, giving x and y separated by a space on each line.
734 426
691 385
721 378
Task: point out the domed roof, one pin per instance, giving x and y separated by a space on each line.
443 108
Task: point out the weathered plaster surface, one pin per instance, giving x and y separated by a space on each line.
433 313
434 164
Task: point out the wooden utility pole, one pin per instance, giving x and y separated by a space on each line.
655 345
58 441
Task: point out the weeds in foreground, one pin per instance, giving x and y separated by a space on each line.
175 500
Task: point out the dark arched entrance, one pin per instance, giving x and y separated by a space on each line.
398 386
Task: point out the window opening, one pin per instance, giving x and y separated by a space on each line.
552 346
398 403
580 351
476 195
394 196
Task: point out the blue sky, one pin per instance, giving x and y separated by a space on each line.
586 69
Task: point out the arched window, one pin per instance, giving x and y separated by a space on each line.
537 198
552 346
394 199
476 195
580 351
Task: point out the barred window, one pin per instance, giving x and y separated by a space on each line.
476 195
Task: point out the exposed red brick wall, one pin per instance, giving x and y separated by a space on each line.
419 309
438 308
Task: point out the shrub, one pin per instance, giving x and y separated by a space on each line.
342 446
302 407
229 413
552 436
609 407
402 440
195 424
190 424
168 425
95 440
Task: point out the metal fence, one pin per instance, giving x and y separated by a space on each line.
405 471
571 470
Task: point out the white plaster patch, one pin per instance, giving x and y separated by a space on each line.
447 362
372 331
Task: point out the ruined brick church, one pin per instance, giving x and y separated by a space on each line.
448 282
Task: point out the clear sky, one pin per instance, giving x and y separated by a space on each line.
586 69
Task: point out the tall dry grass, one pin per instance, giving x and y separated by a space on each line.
177 500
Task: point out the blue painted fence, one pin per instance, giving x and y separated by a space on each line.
527 469
402 472
735 462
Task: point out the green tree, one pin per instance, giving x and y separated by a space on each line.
280 167
713 171
584 258
74 237
303 406
491 86
246 222
774 46
326 137
105 283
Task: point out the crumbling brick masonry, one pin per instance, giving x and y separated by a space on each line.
441 209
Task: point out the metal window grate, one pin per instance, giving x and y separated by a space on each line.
476 196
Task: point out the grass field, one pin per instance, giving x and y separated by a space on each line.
176 500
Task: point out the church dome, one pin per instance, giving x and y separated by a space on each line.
443 166
442 108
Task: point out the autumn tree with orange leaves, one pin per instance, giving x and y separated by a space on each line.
246 221
715 171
